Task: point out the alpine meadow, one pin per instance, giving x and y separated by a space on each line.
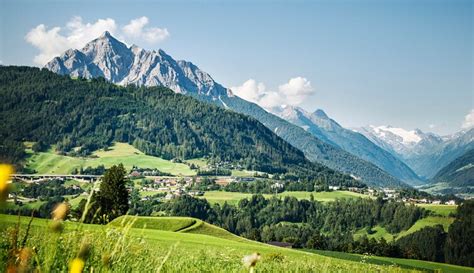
304 136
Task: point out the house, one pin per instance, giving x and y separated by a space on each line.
135 174
277 186
451 202
354 189
334 188
224 181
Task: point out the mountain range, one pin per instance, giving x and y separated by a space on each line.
323 127
425 153
362 154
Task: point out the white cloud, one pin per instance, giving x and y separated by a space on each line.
250 90
136 29
432 126
468 120
294 92
54 41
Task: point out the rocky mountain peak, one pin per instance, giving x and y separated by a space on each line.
110 58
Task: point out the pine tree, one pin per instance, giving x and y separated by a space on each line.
113 195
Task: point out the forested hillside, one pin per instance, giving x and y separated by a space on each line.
458 173
80 116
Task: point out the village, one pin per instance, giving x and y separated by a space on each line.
153 185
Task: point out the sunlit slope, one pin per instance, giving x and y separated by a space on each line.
175 224
52 163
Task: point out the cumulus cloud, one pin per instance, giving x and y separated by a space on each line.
250 90
468 120
294 92
53 41
137 29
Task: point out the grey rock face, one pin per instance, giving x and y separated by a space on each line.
109 58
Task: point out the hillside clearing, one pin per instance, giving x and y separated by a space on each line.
51 163
377 233
428 221
443 210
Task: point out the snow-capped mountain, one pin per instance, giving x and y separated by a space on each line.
109 58
425 153
320 125
400 141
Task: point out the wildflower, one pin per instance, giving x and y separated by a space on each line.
24 257
76 265
251 260
5 172
60 212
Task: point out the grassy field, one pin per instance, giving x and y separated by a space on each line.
201 248
403 263
52 163
443 210
428 221
234 197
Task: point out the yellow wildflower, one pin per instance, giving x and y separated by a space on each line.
5 172
60 211
76 266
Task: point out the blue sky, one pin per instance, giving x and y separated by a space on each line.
404 63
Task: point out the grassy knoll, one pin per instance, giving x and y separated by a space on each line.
443 210
50 162
125 249
377 233
158 223
380 232
428 221
403 263
200 162
234 197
